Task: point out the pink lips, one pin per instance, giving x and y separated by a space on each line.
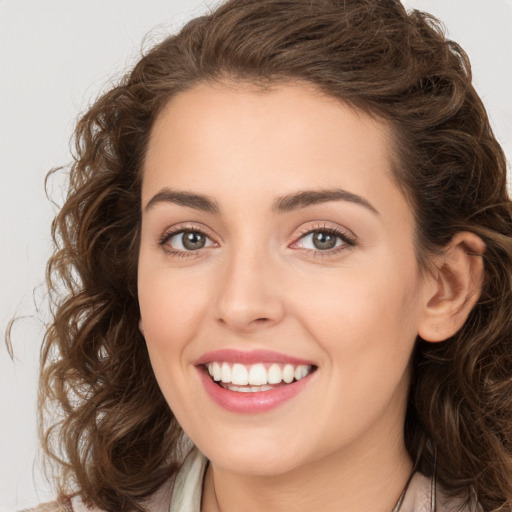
251 402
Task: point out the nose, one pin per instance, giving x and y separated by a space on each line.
250 295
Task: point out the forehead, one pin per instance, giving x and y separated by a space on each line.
223 136
297 110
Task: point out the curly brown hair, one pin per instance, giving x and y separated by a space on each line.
116 439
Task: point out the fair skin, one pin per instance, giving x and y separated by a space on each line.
259 280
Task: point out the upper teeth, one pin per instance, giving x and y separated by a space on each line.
256 374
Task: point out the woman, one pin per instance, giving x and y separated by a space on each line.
287 242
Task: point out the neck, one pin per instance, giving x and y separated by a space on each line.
354 480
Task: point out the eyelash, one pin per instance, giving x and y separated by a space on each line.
348 241
172 232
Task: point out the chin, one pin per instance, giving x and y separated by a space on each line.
255 457
256 464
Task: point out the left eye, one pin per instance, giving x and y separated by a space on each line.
321 240
188 240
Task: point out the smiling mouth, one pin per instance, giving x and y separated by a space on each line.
257 377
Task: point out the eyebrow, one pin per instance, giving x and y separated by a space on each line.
287 203
196 201
305 198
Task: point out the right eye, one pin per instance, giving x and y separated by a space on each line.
186 240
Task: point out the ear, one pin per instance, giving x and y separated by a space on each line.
141 327
453 288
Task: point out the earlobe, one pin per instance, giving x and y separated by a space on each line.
454 287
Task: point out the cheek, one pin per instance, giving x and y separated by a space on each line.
365 320
172 312
357 300
366 329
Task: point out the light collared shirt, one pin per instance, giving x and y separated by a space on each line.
183 494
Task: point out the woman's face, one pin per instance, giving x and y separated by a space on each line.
276 246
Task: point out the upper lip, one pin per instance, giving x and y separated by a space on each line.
250 357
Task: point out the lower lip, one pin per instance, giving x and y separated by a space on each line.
251 402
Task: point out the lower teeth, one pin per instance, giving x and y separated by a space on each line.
246 389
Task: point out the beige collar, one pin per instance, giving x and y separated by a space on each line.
420 496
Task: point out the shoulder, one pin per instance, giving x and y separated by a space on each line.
158 502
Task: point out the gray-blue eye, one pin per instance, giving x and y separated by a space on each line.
189 240
321 240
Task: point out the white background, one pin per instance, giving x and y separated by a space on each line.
55 57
